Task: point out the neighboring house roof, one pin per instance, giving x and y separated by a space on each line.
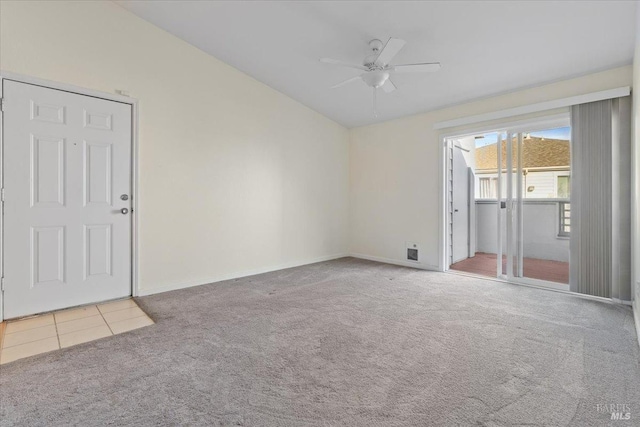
536 153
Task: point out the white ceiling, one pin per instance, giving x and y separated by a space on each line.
485 47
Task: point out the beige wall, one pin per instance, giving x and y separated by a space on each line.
235 177
395 182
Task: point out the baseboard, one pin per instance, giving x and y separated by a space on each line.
237 275
636 317
396 262
622 301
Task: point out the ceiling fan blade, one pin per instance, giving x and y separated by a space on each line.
427 67
352 79
389 50
388 86
343 64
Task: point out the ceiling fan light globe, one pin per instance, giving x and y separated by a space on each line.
375 79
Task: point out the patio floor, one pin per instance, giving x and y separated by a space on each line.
485 264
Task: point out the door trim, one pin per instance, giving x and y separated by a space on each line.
135 210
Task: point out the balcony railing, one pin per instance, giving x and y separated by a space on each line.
546 227
565 219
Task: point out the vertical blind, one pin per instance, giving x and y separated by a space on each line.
600 184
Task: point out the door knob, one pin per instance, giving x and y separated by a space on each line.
124 211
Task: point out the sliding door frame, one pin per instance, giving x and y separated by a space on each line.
552 120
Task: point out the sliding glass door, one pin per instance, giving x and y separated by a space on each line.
509 204
534 209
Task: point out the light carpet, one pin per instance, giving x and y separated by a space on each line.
342 343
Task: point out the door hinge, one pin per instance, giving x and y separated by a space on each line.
1 284
1 104
2 195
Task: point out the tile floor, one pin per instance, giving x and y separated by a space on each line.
61 329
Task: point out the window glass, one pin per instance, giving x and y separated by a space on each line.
564 187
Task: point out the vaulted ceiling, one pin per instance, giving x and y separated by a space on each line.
485 47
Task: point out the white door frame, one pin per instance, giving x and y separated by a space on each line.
4 75
542 122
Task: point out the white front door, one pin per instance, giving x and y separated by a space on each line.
67 171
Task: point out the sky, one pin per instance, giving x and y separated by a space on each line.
558 133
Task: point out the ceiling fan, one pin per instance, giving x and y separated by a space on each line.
378 71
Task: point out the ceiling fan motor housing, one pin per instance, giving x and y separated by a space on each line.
369 60
376 45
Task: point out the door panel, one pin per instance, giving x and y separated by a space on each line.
97 173
47 256
537 245
68 160
98 254
47 166
460 206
